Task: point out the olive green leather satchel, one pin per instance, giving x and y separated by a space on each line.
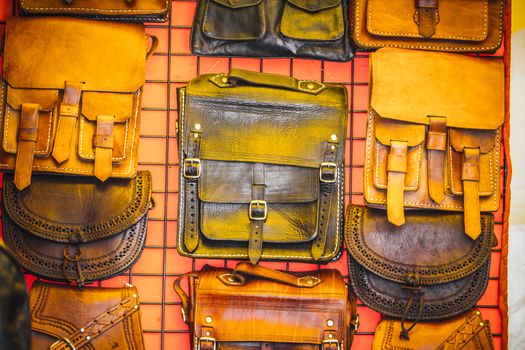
262 173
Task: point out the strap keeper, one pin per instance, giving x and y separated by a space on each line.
397 163
470 172
436 141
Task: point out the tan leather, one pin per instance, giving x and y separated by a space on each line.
27 137
442 118
441 25
70 83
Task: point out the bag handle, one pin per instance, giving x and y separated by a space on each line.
184 298
154 45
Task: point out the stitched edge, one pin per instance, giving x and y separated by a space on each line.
23 5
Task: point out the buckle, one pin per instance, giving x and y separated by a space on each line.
65 340
258 210
192 168
328 172
211 340
330 341
355 322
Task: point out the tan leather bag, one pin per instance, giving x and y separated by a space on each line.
253 307
71 95
434 134
442 25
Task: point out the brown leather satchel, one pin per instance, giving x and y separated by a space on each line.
262 173
442 25
426 269
434 134
253 307
115 10
65 317
71 97
465 332
78 231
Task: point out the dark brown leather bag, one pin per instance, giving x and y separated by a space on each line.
426 269
79 230
253 307
65 318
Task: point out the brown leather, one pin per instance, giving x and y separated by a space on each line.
441 25
69 81
252 307
78 231
468 331
65 317
442 121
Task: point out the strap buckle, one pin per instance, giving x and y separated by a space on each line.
208 339
328 172
258 210
192 168
355 322
330 342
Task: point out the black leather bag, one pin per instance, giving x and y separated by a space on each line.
272 28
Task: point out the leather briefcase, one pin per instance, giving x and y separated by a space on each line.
434 134
262 173
272 28
77 231
253 307
71 97
426 269
65 317
14 310
115 10
441 25
465 332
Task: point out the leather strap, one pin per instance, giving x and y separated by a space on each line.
330 341
184 298
27 136
413 291
191 210
436 147
466 333
248 269
103 142
207 339
255 244
470 176
397 168
68 113
427 17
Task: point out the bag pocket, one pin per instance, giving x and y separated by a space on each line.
234 19
315 20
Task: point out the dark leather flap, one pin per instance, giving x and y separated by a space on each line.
238 3
432 245
45 52
82 207
115 104
264 310
46 99
315 5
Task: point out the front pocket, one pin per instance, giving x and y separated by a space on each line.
315 20
234 19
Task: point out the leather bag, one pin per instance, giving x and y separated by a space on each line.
262 171
65 317
426 269
115 10
71 97
468 331
434 134
272 28
253 307
77 231
441 25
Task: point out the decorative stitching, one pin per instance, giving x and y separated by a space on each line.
23 5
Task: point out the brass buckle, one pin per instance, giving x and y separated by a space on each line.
192 168
210 339
330 341
67 341
328 172
258 210
355 322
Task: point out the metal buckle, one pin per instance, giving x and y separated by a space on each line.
211 340
328 172
192 168
330 341
258 210
67 341
356 322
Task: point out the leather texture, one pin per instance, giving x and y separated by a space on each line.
14 307
65 317
434 134
253 148
77 231
252 307
426 269
468 331
272 28
51 118
114 10
440 25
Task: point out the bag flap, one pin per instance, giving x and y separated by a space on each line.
45 52
263 310
82 208
100 103
485 140
263 124
46 99
465 20
411 85
387 130
315 5
433 244
234 4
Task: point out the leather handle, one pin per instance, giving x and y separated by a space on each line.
247 269
154 45
184 298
